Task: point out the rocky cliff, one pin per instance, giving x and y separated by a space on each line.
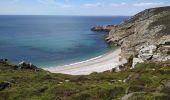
146 35
102 28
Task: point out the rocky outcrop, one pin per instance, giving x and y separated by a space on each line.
3 60
145 36
136 61
6 84
23 65
100 28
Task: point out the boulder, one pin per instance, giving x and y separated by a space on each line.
23 65
147 52
4 61
4 85
162 54
136 61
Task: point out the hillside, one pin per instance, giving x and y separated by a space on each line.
145 36
146 81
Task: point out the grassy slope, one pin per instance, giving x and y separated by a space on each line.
43 85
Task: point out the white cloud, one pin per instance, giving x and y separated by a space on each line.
118 4
148 4
93 5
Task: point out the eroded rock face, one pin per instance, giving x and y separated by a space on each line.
145 35
147 52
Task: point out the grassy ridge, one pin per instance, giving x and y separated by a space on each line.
148 81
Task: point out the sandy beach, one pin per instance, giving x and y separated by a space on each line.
98 64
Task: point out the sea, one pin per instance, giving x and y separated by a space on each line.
48 41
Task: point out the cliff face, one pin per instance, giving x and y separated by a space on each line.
145 35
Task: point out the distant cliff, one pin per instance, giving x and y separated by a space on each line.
145 36
101 28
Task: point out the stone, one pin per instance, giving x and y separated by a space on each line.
117 69
4 85
147 52
136 61
67 80
60 82
23 65
120 80
3 60
113 70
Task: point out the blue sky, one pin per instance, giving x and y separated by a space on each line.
77 7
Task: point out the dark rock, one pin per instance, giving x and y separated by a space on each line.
122 67
113 70
167 43
3 60
23 65
4 85
15 67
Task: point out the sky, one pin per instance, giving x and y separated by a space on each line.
78 7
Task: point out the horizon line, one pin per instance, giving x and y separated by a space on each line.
57 15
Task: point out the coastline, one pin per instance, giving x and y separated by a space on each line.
97 64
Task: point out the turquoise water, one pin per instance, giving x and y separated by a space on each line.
52 40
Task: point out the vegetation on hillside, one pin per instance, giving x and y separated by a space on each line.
148 81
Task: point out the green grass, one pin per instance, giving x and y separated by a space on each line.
42 85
